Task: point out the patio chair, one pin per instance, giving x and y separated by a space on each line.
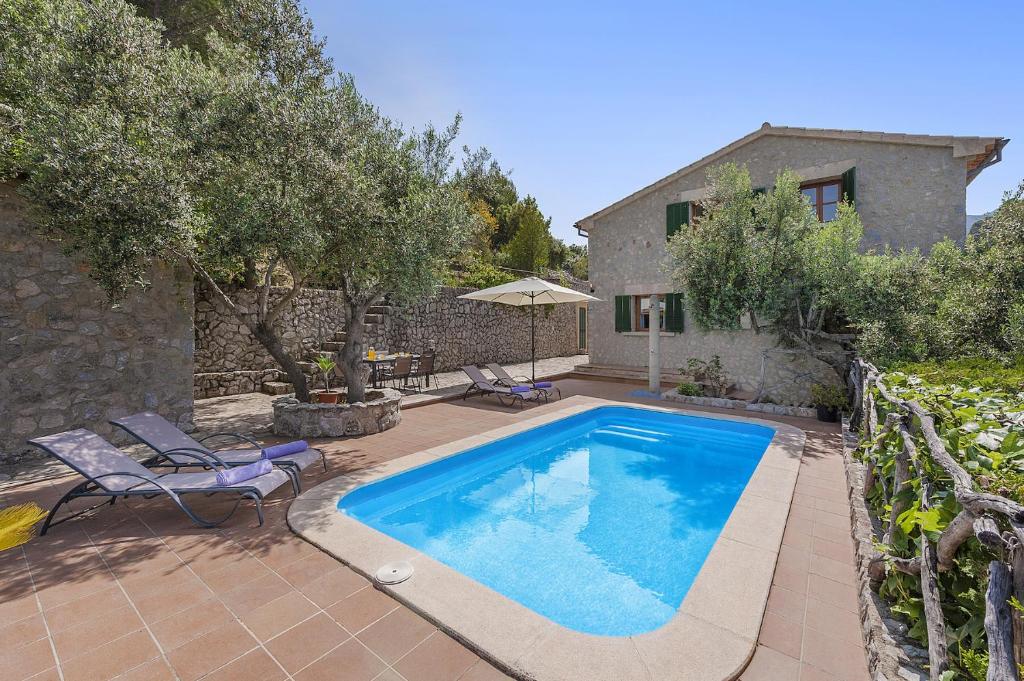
482 386
174 448
401 370
109 472
502 378
425 366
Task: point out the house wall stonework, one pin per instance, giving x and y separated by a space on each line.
74 359
907 196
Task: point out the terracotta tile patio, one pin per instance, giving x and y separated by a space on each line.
134 592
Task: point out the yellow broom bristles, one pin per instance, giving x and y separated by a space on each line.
17 524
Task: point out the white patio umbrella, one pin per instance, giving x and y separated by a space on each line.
530 291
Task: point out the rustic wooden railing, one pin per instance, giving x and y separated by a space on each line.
1003 625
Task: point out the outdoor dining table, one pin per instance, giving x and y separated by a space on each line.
379 361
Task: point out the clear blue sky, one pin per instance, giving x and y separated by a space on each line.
588 101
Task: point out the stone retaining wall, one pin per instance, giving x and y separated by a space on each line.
225 344
74 359
472 332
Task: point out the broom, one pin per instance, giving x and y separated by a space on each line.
17 524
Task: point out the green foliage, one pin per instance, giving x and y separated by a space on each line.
690 389
980 428
828 395
765 258
711 372
479 275
973 371
531 241
326 366
186 22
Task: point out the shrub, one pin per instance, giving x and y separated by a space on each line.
710 371
829 396
689 389
973 371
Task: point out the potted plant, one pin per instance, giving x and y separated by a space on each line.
326 365
828 399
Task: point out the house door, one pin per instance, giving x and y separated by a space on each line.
581 327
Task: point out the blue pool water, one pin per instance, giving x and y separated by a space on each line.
599 522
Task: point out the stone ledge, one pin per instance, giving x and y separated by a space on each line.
892 656
293 418
727 403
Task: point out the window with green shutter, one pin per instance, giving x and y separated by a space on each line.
674 312
676 215
622 314
850 185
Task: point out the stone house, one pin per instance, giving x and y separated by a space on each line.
910 191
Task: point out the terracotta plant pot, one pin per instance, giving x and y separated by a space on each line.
328 397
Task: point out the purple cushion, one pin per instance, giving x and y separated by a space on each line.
233 476
285 449
520 388
542 384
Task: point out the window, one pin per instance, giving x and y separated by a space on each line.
696 211
642 313
824 198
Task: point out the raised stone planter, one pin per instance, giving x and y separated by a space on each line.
726 403
381 411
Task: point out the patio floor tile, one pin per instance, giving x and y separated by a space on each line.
210 651
361 609
112 659
23 631
351 661
305 642
255 665
396 634
92 634
282 613
180 628
771 665
438 658
26 660
334 586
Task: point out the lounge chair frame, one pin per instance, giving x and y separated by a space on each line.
502 377
91 487
482 386
162 459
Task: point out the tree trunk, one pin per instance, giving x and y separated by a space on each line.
268 338
250 277
353 349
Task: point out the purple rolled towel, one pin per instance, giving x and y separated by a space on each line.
233 476
285 449
542 384
520 388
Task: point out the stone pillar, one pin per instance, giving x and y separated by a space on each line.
654 343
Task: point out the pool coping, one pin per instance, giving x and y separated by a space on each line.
712 635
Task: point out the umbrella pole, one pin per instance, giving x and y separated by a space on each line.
533 342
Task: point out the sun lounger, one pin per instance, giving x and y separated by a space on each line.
173 447
502 378
480 385
109 472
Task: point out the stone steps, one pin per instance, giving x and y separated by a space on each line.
373 318
380 309
340 336
622 373
331 346
277 388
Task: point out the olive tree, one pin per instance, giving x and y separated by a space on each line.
402 218
765 257
133 151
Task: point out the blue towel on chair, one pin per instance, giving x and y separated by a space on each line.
542 384
520 388
233 476
285 449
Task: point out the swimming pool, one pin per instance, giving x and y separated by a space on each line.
599 521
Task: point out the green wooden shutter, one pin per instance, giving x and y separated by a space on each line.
674 312
622 318
676 215
850 185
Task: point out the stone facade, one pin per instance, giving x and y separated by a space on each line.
907 195
472 332
74 359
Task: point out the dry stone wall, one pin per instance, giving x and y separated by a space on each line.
73 359
470 332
